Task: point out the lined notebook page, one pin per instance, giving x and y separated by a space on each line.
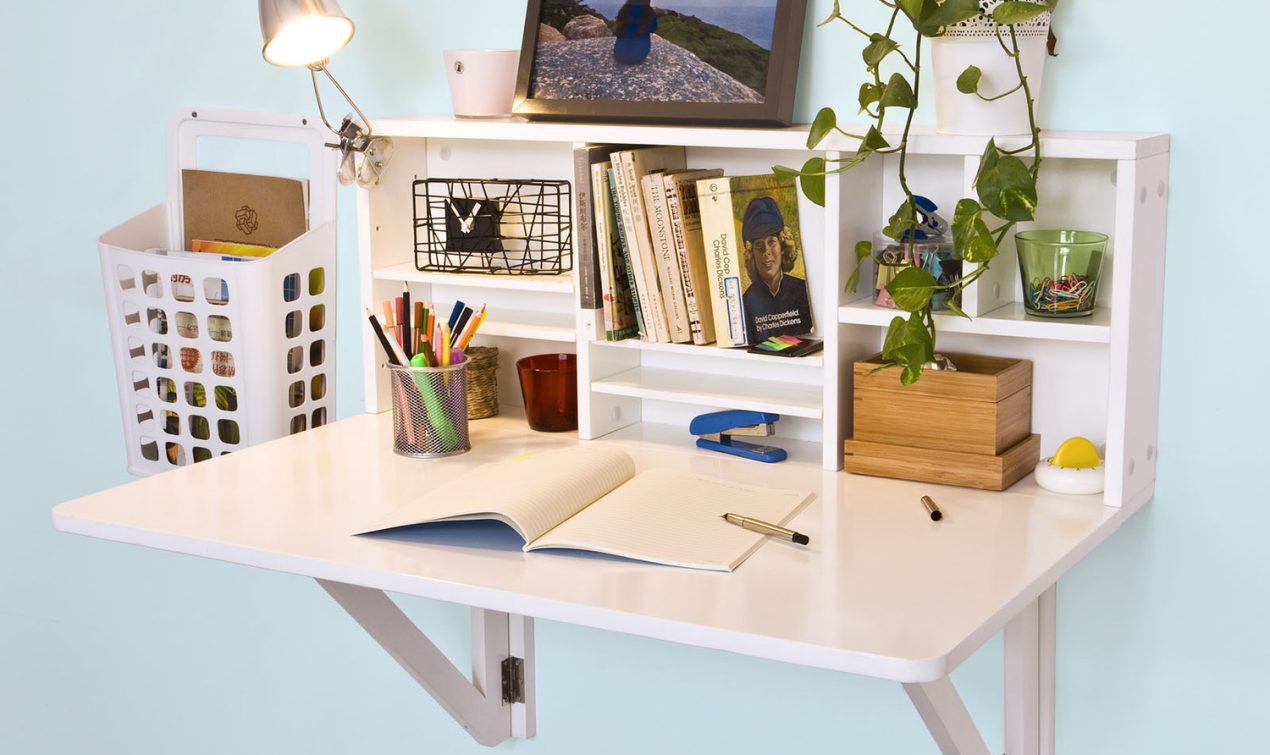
672 517
532 493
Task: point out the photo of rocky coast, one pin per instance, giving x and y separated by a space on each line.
675 51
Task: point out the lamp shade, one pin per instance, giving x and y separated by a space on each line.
303 32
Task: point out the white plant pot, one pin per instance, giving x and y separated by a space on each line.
974 43
482 82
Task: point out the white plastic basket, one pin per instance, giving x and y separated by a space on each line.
212 356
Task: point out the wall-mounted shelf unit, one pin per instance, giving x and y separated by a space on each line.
1097 377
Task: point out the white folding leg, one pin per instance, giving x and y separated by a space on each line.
477 705
1029 678
946 718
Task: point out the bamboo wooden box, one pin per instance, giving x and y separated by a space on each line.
971 427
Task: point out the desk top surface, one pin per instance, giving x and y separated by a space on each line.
881 591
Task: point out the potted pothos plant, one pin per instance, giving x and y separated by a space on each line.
1005 185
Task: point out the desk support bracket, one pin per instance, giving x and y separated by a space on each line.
497 638
1029 691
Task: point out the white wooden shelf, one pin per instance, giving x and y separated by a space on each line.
406 272
1096 377
791 399
923 141
813 361
531 324
1009 321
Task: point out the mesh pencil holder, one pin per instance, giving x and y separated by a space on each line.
213 355
482 381
429 411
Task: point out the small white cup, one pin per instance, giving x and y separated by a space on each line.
482 82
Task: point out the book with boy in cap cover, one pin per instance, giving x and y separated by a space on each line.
758 278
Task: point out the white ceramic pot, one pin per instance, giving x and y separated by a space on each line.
482 82
974 43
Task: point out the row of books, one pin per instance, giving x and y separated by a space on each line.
673 255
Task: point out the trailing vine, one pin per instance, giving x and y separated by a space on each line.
1005 185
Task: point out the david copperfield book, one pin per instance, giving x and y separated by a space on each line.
758 279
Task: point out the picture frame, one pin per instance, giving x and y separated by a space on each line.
634 74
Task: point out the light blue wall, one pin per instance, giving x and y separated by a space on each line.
106 648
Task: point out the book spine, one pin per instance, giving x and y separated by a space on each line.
641 248
588 259
690 211
602 246
626 257
718 230
667 261
633 266
674 213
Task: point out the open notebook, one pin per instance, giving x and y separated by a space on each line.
590 498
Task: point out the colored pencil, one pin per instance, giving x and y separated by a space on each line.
407 334
454 314
390 319
384 340
471 331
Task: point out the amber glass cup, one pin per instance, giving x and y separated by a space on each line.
549 385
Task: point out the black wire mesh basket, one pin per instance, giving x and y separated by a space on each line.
494 226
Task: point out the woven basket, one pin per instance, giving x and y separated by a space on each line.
482 382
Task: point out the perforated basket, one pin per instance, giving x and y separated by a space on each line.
983 27
212 356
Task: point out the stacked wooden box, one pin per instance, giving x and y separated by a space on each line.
971 427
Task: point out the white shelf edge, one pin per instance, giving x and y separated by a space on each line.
529 325
1008 321
816 361
923 140
406 272
684 388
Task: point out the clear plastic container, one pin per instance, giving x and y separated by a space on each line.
936 255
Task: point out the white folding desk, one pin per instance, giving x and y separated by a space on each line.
881 591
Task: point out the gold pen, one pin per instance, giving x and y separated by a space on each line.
766 528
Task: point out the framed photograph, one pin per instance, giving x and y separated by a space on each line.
678 61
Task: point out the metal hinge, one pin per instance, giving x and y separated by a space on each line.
513 680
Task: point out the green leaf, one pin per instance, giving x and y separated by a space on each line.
1016 12
972 240
879 47
911 288
825 122
903 221
954 308
898 93
915 9
863 250
968 81
834 15
813 180
869 94
873 141
934 17
1005 185
784 174
910 345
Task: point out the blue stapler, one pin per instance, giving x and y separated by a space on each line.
714 431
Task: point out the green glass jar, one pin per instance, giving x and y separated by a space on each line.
1060 271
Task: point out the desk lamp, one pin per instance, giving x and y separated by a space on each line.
306 33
